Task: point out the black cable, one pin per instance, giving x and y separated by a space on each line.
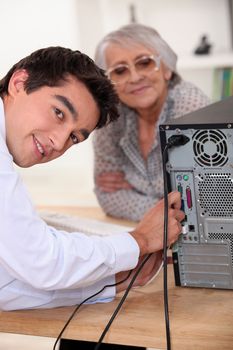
84 301
121 302
165 288
174 140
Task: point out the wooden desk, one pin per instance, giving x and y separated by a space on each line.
199 318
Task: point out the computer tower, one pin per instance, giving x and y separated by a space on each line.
202 170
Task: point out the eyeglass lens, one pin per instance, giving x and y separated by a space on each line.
143 65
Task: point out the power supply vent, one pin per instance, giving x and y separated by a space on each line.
220 236
216 194
210 148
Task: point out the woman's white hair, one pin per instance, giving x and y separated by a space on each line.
137 34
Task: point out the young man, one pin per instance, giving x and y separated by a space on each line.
50 100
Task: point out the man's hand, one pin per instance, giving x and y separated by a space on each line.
149 232
146 274
112 181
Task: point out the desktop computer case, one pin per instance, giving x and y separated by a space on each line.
202 170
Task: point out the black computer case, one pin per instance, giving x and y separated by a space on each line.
202 170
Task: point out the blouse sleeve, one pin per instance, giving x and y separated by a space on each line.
187 98
125 204
108 156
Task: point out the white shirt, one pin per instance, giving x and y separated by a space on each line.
44 267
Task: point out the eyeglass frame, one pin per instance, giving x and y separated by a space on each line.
156 59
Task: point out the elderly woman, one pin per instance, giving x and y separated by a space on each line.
128 164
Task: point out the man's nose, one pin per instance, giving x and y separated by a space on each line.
59 139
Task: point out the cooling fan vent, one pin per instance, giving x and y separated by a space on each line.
216 194
210 148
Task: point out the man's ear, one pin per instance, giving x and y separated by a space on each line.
17 81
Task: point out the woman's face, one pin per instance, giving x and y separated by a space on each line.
142 89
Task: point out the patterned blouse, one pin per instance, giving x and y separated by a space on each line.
116 149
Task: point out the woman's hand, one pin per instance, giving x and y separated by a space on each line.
112 181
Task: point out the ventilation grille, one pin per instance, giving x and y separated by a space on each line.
210 148
216 194
223 237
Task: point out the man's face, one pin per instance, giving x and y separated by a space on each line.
42 125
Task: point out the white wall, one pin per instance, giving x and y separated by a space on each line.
181 22
27 25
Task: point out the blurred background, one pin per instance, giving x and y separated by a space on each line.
27 25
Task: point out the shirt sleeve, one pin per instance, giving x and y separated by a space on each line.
47 259
18 295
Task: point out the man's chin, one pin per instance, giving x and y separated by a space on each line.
25 164
22 164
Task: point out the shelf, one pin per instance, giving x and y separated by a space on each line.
210 61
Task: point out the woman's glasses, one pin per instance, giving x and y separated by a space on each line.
120 74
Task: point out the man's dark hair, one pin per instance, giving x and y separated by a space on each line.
51 67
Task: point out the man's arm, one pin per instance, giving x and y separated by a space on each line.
48 259
175 216
17 295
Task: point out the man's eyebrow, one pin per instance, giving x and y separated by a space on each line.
68 105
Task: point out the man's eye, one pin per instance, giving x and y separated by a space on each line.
59 113
74 139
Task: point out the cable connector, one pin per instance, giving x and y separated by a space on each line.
177 140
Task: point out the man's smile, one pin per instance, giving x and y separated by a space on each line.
39 147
